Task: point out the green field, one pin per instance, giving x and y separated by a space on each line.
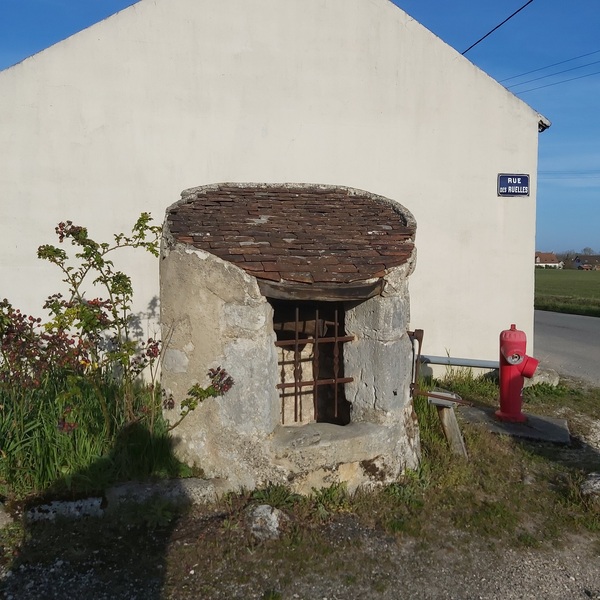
568 291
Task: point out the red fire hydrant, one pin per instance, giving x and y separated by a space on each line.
515 365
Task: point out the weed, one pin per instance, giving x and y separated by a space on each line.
329 500
429 423
159 513
230 525
397 525
480 388
154 513
276 495
11 536
525 539
490 517
408 491
546 398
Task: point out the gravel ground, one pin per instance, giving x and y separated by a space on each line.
361 563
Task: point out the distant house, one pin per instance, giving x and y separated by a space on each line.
587 263
548 260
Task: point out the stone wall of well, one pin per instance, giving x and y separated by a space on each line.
213 314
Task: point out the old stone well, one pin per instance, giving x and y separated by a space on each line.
300 293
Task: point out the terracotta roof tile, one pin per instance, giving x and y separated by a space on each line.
303 234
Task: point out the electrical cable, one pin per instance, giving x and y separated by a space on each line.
562 62
561 177
557 83
497 27
570 171
552 74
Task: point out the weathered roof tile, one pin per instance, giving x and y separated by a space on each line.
305 234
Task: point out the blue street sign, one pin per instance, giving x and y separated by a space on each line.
513 185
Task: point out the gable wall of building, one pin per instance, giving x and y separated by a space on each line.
170 94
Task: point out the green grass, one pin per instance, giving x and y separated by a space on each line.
520 491
568 291
39 456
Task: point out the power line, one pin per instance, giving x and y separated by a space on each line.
497 27
557 83
562 62
553 74
569 172
572 174
579 177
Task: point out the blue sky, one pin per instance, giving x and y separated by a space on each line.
543 33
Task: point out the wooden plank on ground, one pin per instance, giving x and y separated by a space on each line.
452 430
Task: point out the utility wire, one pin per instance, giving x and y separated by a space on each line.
552 74
582 173
569 171
562 62
560 176
557 83
497 27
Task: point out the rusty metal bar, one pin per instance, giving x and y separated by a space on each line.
303 324
336 363
312 382
415 336
316 364
283 363
297 366
342 339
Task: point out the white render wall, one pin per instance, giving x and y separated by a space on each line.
171 94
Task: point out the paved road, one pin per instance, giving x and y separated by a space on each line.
569 344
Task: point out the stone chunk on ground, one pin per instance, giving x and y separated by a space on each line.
266 522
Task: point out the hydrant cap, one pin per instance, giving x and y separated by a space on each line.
515 358
529 367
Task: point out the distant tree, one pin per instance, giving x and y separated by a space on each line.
567 255
588 251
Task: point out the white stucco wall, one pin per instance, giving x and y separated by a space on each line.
170 94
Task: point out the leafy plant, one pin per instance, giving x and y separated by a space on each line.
75 411
102 326
276 495
330 500
220 383
154 513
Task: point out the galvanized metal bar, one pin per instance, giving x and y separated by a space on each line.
460 362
